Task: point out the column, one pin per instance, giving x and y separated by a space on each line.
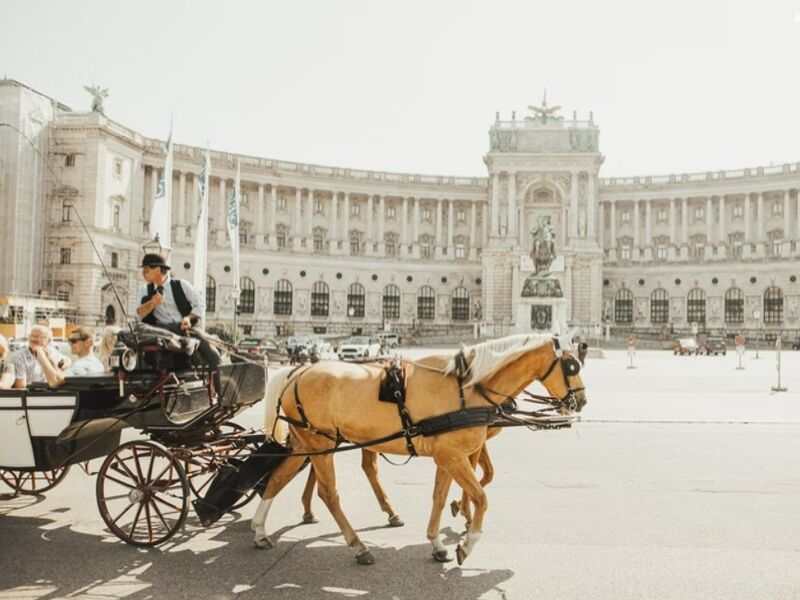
381 224
512 206
722 232
612 230
473 243
590 207
636 225
787 214
797 215
748 234
760 218
369 234
181 221
260 225
601 225
333 231
346 223
222 226
685 222
495 224
648 229
709 221
451 217
672 224
297 221
404 227
485 221
273 217
438 251
573 207
310 214
415 230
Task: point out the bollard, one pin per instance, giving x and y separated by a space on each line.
779 387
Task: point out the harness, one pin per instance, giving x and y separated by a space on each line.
498 414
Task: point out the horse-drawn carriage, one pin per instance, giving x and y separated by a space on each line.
144 486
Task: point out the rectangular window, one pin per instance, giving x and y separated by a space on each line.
461 251
391 213
625 252
66 256
319 244
281 240
66 211
777 209
626 216
281 203
661 252
391 248
737 248
738 211
355 246
461 216
114 260
318 207
62 295
118 168
355 210
115 218
699 213
243 237
425 250
661 215
777 247
69 160
426 214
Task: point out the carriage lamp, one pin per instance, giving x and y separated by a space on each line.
154 247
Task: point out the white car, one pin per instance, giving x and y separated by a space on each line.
359 347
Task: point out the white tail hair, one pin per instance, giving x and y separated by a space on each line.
275 429
489 357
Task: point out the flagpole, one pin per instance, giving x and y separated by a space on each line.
233 232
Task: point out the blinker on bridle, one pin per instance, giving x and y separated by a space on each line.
570 367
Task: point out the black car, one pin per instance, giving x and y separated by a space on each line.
715 345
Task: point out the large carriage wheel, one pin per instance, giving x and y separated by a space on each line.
31 483
201 470
142 493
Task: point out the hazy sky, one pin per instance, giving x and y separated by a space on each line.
414 85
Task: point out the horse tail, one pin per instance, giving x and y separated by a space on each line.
274 428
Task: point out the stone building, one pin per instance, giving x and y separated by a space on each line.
336 250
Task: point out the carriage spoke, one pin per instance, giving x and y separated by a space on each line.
172 506
138 464
121 463
119 516
135 521
158 478
160 515
117 497
122 483
149 523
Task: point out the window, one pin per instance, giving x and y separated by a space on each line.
66 256
625 252
243 235
62 295
734 306
114 260
696 306
355 209
118 168
320 299
211 294
115 217
425 244
460 251
281 204
773 305
661 252
659 306
626 216
738 211
319 243
66 211
355 245
69 160
460 304
319 207
391 302
280 238
699 213
391 213
661 215
247 329
247 300
623 306
111 315
390 241
426 214
461 216
283 298
426 302
777 209
355 300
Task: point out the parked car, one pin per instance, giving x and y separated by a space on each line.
686 346
715 345
390 340
359 347
796 344
261 347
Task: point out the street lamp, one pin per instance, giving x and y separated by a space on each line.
154 247
757 317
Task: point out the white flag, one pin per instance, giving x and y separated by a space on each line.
233 228
161 214
201 229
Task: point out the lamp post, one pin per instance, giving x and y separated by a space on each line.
154 247
757 317
235 295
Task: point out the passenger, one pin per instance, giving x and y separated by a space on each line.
81 341
26 367
108 342
6 366
172 304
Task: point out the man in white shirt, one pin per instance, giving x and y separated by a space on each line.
27 369
7 376
81 342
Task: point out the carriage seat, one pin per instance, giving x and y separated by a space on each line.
147 338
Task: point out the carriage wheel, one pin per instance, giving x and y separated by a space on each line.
201 470
142 493
31 483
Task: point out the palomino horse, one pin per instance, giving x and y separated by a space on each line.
329 402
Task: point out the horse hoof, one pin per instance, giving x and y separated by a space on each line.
461 556
455 508
310 518
396 521
441 556
263 543
365 558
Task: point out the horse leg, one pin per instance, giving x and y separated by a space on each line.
463 506
440 489
308 493
464 475
369 463
326 487
277 481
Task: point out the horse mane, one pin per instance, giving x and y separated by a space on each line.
491 356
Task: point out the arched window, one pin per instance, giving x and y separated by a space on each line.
659 306
247 300
734 305
320 299
283 298
696 306
211 294
111 315
460 304
426 302
623 306
355 300
391 302
773 305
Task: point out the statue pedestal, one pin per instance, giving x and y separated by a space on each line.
541 315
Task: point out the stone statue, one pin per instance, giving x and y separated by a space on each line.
544 249
543 112
494 139
98 94
581 223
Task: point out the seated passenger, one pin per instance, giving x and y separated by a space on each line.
6 366
27 369
81 340
108 341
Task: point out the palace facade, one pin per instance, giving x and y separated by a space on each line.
337 250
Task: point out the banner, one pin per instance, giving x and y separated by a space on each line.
201 229
161 213
233 228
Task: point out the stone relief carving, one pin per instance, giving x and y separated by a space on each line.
581 223
443 304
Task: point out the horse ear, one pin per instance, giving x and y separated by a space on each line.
570 336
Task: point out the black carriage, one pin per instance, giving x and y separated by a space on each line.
144 486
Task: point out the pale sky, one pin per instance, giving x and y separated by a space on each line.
413 86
